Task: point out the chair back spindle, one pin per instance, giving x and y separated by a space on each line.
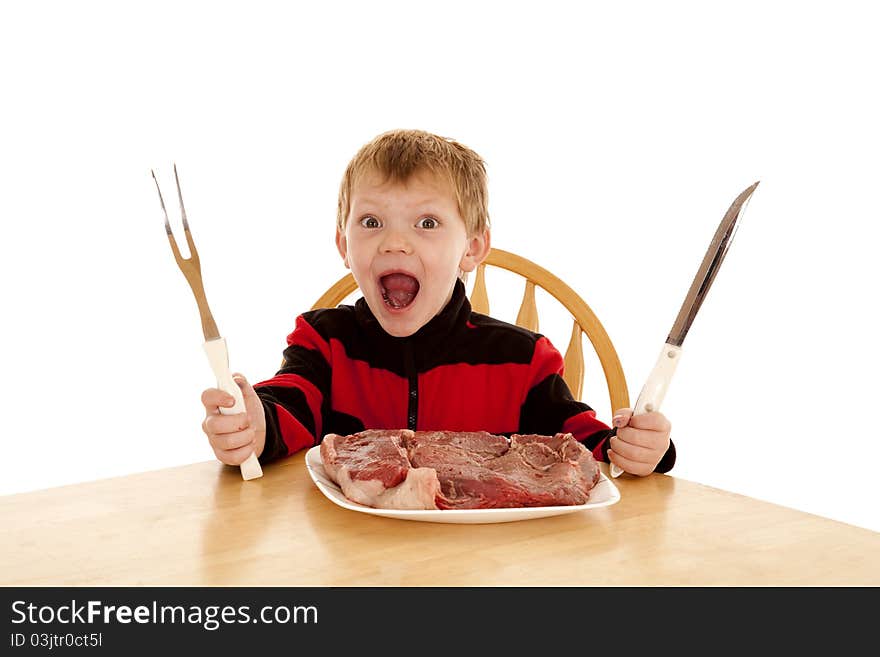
527 317
479 295
573 362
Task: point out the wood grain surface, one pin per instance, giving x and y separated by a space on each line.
203 525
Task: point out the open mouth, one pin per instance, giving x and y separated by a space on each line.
398 290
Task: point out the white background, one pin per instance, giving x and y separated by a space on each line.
615 137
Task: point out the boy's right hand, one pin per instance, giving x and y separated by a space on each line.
234 437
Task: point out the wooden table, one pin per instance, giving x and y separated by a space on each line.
202 525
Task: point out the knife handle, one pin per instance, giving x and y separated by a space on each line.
218 357
654 390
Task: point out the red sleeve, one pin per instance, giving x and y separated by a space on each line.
549 406
294 397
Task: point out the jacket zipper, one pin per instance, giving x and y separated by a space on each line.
412 413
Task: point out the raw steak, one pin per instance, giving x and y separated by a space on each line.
459 470
371 468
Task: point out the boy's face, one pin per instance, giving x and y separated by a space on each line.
405 244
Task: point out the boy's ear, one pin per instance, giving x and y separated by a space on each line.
478 248
342 246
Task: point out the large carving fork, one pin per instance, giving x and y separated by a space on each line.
215 346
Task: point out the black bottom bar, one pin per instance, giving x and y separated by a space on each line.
249 621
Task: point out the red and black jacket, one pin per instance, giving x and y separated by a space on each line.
462 371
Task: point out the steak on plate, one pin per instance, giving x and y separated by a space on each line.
401 469
372 468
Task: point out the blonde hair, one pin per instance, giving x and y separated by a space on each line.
398 154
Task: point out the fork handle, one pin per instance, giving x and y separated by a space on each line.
218 356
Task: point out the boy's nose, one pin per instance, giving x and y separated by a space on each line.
394 241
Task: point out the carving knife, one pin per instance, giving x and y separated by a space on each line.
652 393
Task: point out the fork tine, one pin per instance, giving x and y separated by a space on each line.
194 254
180 198
171 239
162 202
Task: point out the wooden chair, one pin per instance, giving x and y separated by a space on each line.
585 321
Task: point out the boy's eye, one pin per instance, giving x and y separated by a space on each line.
370 222
427 222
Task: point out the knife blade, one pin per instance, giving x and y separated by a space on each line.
654 390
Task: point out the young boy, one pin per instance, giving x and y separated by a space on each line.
412 218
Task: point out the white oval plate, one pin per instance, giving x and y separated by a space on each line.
604 493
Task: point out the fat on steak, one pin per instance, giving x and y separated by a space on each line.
401 469
372 468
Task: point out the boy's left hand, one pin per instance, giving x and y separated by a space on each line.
641 441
